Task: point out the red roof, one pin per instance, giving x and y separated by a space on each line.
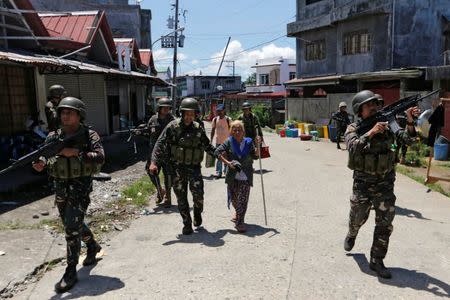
147 59
244 95
80 27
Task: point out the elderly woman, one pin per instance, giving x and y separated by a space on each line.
238 153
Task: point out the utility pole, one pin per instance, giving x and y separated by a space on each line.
174 81
233 65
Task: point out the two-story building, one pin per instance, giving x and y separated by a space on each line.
269 89
394 48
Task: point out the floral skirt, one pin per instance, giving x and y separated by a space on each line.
240 192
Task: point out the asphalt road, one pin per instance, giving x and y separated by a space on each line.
298 255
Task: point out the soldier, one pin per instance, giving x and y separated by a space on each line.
341 120
251 122
155 127
372 158
55 94
182 143
380 101
72 171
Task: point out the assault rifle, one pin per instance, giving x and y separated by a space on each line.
47 150
388 113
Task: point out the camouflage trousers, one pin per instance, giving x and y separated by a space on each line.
72 200
167 178
380 195
193 179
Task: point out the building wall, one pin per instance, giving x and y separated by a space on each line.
91 89
124 19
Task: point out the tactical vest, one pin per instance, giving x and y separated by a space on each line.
73 167
186 145
379 159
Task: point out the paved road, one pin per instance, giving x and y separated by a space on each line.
298 255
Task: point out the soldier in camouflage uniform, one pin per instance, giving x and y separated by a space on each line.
372 158
55 94
183 144
251 122
341 121
155 127
72 171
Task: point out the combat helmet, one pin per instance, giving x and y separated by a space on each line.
164 102
189 104
56 91
361 98
73 103
380 99
246 105
342 104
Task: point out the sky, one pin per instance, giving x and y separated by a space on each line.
209 23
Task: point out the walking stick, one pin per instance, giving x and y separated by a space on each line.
262 179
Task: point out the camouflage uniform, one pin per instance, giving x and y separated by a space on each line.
341 121
183 146
73 184
250 122
373 163
155 127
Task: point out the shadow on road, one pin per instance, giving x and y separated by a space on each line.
409 213
91 285
215 239
264 171
160 210
404 278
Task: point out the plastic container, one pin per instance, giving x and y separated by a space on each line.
332 132
306 137
315 135
325 132
309 128
278 128
320 132
301 127
293 133
440 151
283 133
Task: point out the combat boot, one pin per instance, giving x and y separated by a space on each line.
92 249
377 265
197 219
68 280
187 229
349 243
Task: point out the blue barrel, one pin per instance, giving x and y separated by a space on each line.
440 151
294 133
332 132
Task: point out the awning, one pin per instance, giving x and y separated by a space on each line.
313 81
244 95
384 75
77 66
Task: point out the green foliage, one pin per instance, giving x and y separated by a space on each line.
139 192
234 115
420 148
264 115
414 159
251 79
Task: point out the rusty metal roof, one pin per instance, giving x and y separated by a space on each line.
76 66
79 26
147 59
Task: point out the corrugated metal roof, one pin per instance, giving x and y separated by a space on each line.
78 27
76 66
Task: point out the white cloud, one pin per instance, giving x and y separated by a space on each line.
163 55
195 62
243 60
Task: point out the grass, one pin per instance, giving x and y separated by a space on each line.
420 179
444 165
54 224
139 192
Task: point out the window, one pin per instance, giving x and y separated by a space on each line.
264 79
292 75
357 42
308 2
315 50
229 84
205 85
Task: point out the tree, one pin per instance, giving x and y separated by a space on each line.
251 79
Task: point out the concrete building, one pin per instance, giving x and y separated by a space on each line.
204 87
393 47
126 20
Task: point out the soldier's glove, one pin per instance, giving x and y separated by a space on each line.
237 165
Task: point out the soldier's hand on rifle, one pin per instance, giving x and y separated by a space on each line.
153 168
38 165
380 127
69 152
